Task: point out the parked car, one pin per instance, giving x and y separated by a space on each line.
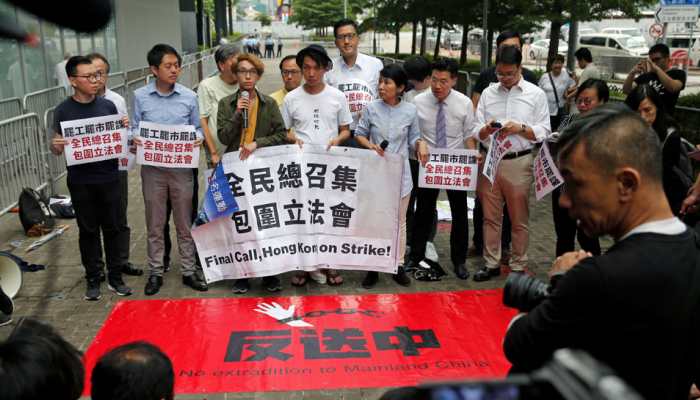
623 31
452 40
540 49
678 44
614 44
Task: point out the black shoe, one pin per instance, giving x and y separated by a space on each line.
153 285
131 269
411 266
461 271
195 283
6 304
117 286
401 278
101 275
485 273
241 286
5 319
92 293
272 284
370 279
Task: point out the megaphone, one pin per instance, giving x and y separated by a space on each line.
10 274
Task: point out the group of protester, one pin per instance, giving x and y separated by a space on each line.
251 44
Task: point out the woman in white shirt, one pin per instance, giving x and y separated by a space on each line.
555 83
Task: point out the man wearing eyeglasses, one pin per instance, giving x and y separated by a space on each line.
291 76
94 187
657 73
521 109
353 73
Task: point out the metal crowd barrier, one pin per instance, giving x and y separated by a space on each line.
130 87
116 79
11 107
40 101
209 67
55 165
189 75
21 158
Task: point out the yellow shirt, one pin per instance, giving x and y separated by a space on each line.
279 96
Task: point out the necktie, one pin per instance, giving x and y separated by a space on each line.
441 127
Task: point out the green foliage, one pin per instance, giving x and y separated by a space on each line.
264 19
689 100
314 14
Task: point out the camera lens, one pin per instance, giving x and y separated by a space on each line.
524 292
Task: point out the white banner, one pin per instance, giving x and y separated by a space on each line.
454 169
170 146
304 208
499 146
127 163
547 176
94 139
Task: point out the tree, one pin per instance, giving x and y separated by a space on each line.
319 15
264 19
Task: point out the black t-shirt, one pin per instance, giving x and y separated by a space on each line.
95 172
669 99
488 77
630 308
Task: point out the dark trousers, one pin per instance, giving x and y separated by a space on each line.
411 211
124 236
96 209
427 199
168 244
567 231
478 237
279 50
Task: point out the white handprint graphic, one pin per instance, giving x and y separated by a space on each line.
282 314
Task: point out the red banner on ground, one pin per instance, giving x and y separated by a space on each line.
316 342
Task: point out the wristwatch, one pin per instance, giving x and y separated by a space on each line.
523 128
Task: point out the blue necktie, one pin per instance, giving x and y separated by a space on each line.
441 127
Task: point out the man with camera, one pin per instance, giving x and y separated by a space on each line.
635 308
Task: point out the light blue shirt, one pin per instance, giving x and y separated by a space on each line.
178 107
396 124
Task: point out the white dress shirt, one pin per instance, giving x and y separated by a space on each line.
459 113
524 103
359 83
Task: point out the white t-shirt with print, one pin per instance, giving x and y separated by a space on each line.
315 117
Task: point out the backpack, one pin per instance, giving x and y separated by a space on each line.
34 213
683 166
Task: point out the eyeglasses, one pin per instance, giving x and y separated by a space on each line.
441 82
347 36
244 72
584 101
91 78
290 72
506 75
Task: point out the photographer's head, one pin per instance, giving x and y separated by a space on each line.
611 163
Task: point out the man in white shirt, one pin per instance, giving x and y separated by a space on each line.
446 119
102 68
521 108
209 92
355 74
316 113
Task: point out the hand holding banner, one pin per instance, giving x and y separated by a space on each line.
453 169
169 146
94 139
499 146
547 176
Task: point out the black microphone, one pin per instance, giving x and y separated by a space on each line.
246 96
384 144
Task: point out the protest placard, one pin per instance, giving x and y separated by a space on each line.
170 146
304 208
499 146
454 169
127 163
94 139
547 176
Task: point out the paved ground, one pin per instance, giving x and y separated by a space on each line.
55 295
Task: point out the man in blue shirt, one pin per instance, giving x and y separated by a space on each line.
165 101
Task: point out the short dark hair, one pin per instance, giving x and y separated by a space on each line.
583 54
645 91
600 87
157 52
614 136
417 68
558 58
509 55
225 52
37 363
322 61
445 64
505 35
137 370
396 73
73 62
344 22
661 49
95 56
287 58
